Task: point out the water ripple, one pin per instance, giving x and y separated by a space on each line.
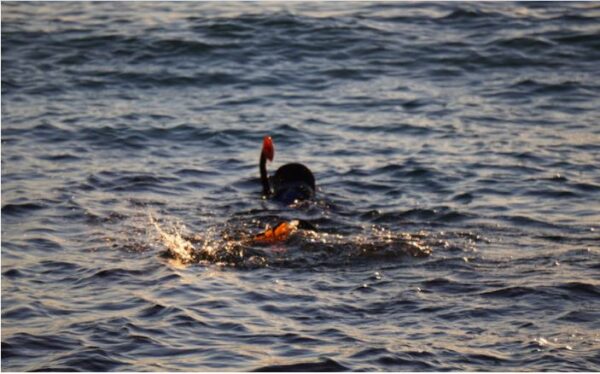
454 146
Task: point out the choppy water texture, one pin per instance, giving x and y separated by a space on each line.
456 148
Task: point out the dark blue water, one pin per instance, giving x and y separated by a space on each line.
456 148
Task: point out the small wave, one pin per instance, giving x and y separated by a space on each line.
223 28
549 88
22 313
44 244
573 289
319 366
402 128
486 359
510 292
158 312
42 343
585 39
117 275
588 187
442 214
43 132
396 362
61 157
549 193
527 221
355 74
92 359
140 182
449 286
21 209
128 181
252 22
151 79
190 47
465 197
581 288
581 316
463 14
12 273
524 42
53 266
557 178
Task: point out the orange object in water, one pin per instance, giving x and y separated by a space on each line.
277 234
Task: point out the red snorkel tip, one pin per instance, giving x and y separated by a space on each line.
268 149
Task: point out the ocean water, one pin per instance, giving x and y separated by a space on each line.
456 148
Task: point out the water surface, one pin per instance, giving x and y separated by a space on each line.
456 149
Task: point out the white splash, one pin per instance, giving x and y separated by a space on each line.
179 247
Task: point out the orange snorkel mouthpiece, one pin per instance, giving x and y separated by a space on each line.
277 234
